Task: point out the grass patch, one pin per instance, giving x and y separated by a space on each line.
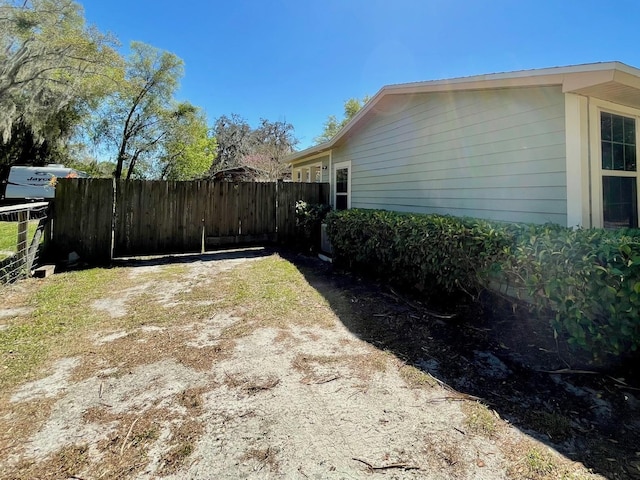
531 460
416 378
271 292
61 307
168 273
557 427
9 237
538 463
479 419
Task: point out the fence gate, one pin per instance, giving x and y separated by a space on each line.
102 218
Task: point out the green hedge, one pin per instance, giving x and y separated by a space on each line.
589 278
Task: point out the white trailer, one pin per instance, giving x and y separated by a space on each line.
33 183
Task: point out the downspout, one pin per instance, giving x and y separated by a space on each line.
330 177
589 167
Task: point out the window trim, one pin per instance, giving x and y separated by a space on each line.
597 107
336 167
318 179
305 174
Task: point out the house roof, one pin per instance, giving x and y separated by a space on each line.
612 81
240 171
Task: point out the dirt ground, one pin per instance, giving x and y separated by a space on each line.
354 382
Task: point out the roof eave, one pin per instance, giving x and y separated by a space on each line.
571 79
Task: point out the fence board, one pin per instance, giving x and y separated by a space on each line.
288 195
82 218
154 217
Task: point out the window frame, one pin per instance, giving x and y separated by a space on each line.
305 174
597 172
341 166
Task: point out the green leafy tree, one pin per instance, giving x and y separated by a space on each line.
93 167
332 126
53 69
188 147
133 120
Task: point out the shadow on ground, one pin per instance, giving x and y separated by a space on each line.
213 256
592 418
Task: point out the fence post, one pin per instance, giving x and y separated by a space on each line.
114 211
22 247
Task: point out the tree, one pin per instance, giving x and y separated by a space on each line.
188 148
233 135
332 126
93 167
52 69
50 146
132 119
263 147
271 142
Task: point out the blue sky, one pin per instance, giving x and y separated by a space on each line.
299 60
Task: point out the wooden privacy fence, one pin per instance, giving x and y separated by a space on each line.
101 218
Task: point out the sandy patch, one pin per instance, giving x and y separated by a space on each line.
49 386
148 386
15 312
102 339
116 307
208 333
175 401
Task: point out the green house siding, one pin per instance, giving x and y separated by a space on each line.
497 154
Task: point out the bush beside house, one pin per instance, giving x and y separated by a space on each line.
589 279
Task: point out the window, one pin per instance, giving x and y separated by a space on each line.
619 206
619 171
342 186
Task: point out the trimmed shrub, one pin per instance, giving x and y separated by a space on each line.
429 252
590 279
309 217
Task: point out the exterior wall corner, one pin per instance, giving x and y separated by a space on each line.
577 158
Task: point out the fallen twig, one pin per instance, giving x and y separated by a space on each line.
412 305
627 387
463 397
622 384
325 380
124 442
403 466
569 371
442 316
